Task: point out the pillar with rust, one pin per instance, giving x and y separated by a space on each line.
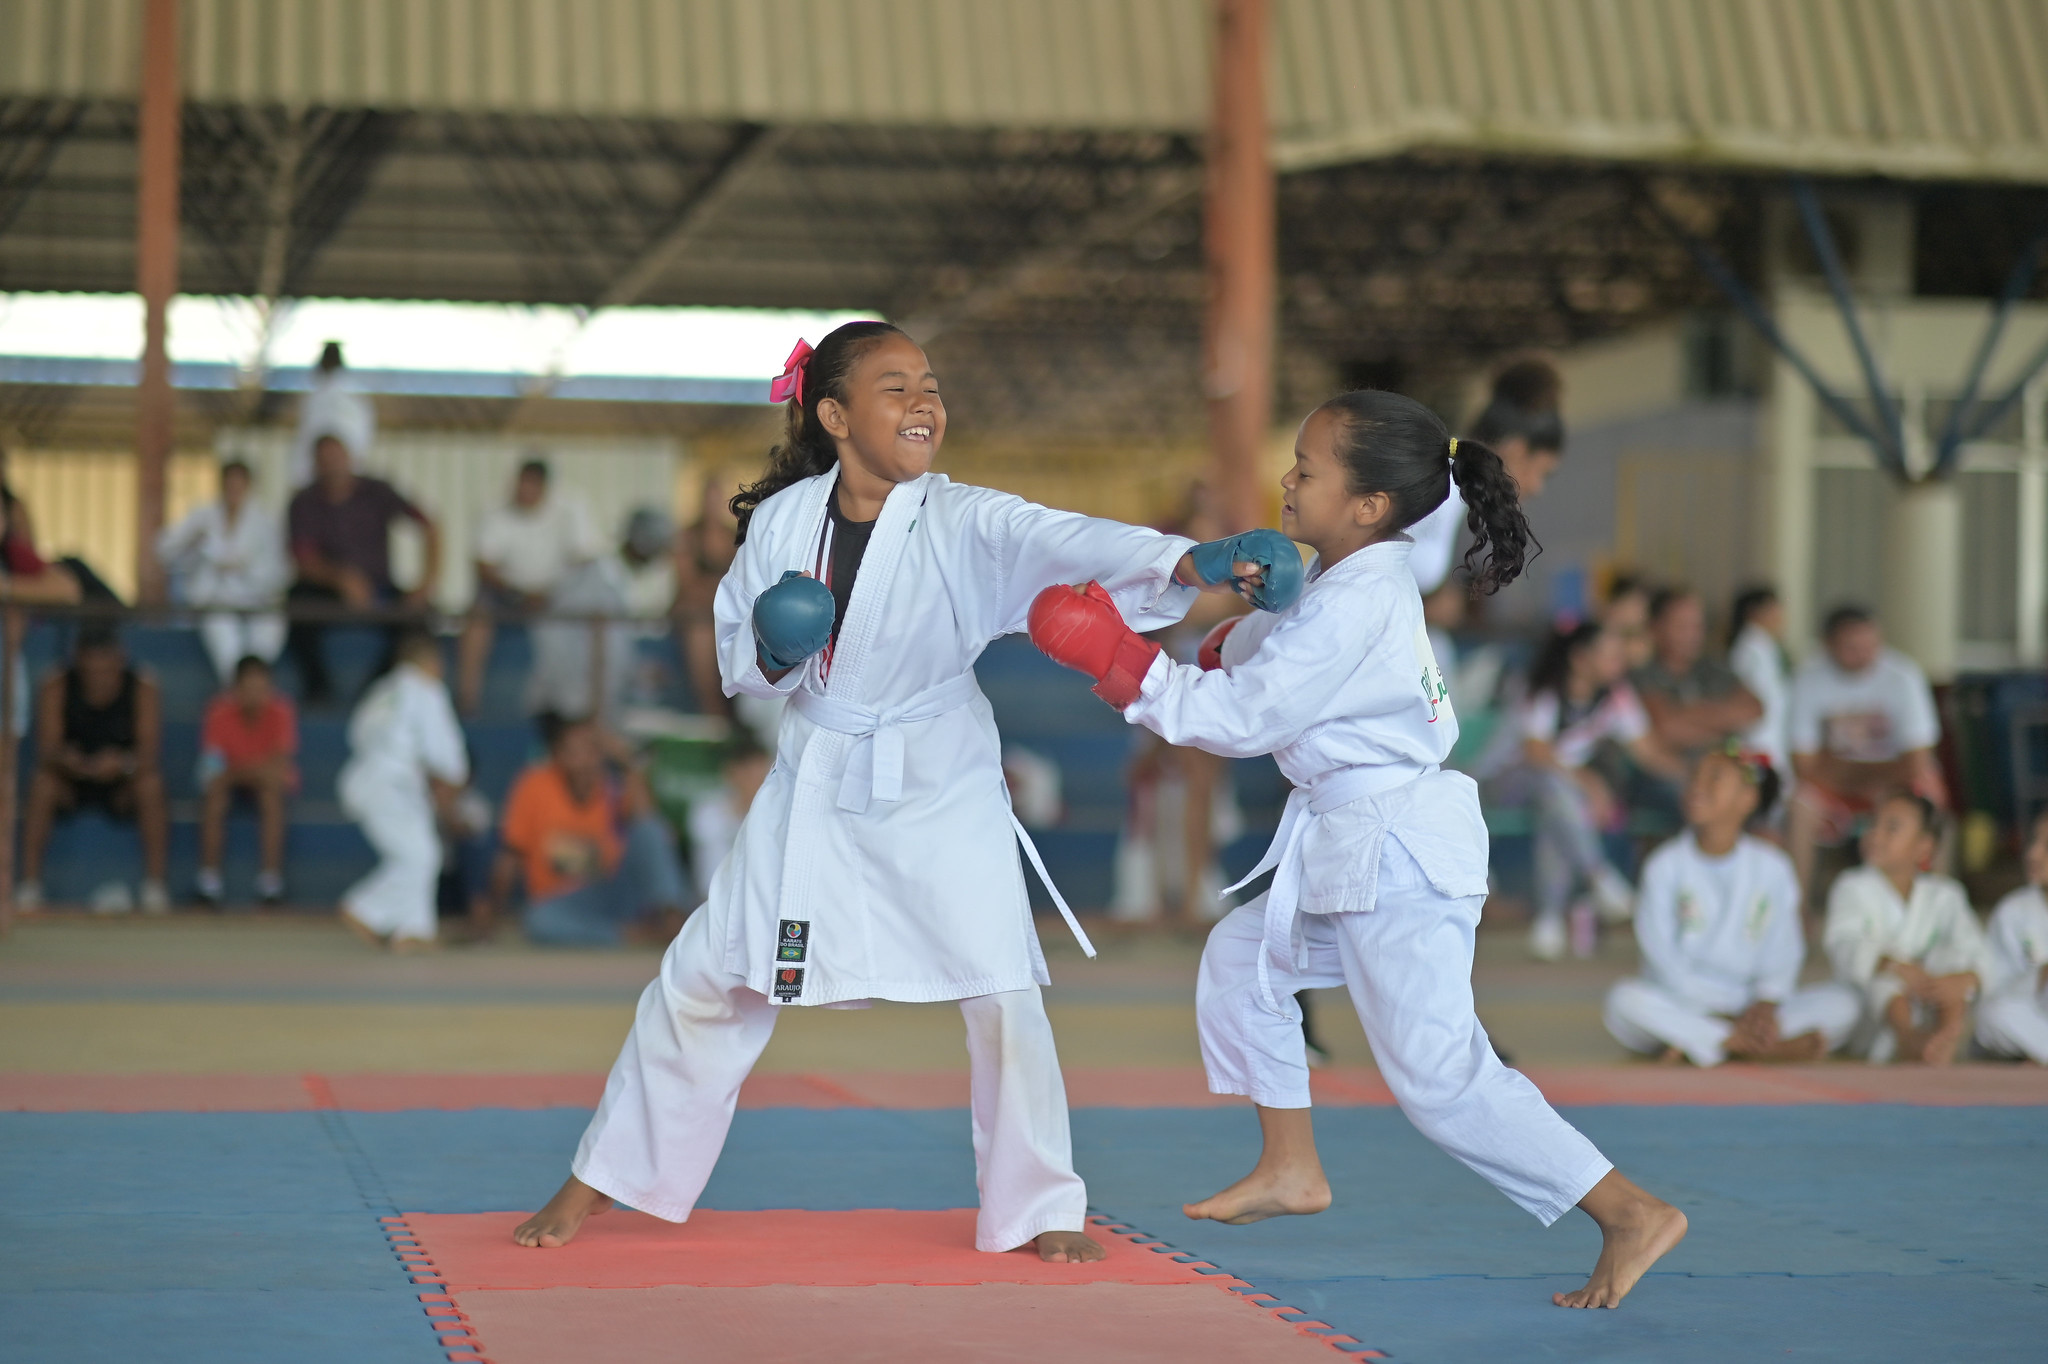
156 279
1238 244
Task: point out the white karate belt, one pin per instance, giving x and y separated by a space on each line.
874 764
1328 792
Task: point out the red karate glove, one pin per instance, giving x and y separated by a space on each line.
1082 629
1210 655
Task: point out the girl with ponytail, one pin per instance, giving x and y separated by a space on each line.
1379 866
879 859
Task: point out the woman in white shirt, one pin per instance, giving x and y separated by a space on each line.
1756 654
230 553
1579 697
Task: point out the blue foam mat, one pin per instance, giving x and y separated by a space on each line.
1818 1232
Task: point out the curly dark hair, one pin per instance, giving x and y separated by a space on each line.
1395 445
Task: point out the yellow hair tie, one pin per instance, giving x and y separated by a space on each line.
1454 447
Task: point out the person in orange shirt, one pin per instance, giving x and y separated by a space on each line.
247 743
580 830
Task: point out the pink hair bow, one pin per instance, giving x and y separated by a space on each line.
791 383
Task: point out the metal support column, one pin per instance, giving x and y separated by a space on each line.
1238 242
156 279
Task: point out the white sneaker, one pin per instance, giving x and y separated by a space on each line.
111 898
28 896
206 884
269 887
1613 896
1548 939
153 898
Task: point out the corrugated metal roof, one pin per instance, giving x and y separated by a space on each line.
1903 87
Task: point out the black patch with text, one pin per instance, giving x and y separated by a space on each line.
793 940
789 983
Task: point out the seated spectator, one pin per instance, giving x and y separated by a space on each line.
340 530
2012 1020
1717 920
1756 654
1626 614
24 574
1695 704
1861 724
523 552
1906 939
566 668
246 745
333 406
230 553
407 768
580 830
715 820
1578 699
99 727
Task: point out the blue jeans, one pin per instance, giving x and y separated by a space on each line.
649 877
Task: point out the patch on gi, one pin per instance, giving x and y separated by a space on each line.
789 983
793 940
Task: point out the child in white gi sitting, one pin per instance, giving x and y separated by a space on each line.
406 760
1906 938
2012 1019
1717 920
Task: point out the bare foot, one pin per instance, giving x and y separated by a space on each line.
1808 1046
557 1223
363 930
412 947
1671 1056
1636 1230
1938 1047
1068 1248
1265 1192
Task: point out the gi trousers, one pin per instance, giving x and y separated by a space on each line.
670 1098
2013 1021
397 898
1408 966
1648 1018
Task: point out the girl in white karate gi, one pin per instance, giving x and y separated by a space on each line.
879 859
1717 919
406 757
1906 939
2012 1019
1379 866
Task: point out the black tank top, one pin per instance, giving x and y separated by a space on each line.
89 728
849 544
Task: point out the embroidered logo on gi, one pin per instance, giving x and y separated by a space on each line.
1689 916
789 983
1759 917
794 940
1434 689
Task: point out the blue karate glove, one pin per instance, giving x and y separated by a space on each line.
792 621
1270 550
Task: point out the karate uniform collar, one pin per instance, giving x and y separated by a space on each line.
1386 556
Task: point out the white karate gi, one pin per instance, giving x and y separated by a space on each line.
879 860
1718 934
1867 921
403 732
2012 1015
1379 874
333 406
231 564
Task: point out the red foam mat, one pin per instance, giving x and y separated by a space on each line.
750 1249
985 1323
1166 1087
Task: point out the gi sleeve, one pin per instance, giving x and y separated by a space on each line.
1657 919
439 735
1962 942
1036 547
755 568
1270 699
1850 938
1784 945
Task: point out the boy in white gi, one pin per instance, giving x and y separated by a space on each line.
1717 920
1906 939
2012 1018
1379 866
879 858
406 761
